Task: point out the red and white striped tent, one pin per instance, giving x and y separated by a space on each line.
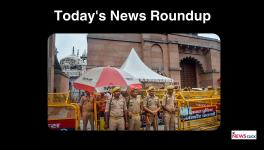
100 79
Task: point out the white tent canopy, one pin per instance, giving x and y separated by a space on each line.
139 70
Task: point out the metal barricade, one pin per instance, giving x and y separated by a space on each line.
62 115
198 110
58 98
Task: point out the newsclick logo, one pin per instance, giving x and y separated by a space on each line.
243 134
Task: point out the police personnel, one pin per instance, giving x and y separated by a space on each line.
116 112
87 110
169 107
134 110
151 105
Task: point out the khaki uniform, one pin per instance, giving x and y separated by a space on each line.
134 113
169 102
151 103
87 112
116 118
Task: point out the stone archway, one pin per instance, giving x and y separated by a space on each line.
190 70
157 58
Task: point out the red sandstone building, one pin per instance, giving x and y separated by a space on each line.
191 60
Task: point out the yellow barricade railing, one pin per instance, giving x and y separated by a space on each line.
64 112
198 101
78 111
58 98
60 108
188 99
95 115
195 100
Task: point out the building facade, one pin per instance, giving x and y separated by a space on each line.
189 59
58 82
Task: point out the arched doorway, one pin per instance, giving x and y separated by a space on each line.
190 70
156 58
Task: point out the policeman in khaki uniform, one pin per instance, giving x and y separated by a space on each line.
151 105
134 110
116 112
87 110
169 106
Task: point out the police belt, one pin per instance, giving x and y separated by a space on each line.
165 111
116 117
135 114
